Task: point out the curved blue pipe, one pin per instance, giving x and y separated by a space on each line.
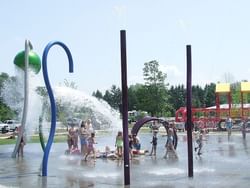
52 99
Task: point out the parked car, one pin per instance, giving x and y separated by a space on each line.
12 124
4 128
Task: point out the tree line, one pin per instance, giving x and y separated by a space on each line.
158 105
154 96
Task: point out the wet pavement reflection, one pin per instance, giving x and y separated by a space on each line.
223 163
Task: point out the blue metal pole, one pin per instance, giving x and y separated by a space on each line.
125 107
52 99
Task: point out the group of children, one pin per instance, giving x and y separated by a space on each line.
171 142
87 139
134 144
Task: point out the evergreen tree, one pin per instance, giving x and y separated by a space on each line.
97 94
113 97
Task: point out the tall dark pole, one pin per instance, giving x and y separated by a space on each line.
125 107
189 112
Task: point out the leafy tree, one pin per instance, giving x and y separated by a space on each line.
3 78
155 90
177 96
152 75
236 96
197 96
5 111
133 102
143 100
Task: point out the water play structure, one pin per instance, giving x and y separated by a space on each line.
25 60
213 117
135 129
52 99
126 160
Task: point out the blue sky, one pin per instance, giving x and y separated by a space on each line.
218 30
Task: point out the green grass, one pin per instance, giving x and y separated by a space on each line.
5 141
58 137
34 139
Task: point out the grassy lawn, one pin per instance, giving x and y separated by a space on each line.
59 137
34 139
4 141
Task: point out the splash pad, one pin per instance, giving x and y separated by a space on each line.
174 172
223 164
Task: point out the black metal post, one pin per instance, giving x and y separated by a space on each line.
125 107
189 112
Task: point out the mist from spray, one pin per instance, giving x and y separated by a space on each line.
13 96
71 100
101 111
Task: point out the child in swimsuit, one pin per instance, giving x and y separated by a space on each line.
91 142
169 144
154 143
84 134
119 143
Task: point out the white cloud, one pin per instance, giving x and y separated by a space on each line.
171 70
175 76
134 79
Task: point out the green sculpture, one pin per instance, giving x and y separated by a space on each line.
34 61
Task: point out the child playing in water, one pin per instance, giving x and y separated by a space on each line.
70 140
21 146
130 143
84 134
75 138
169 144
199 142
91 142
136 142
119 143
229 125
154 143
22 142
107 154
89 126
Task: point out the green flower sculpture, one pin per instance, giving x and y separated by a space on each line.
34 61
